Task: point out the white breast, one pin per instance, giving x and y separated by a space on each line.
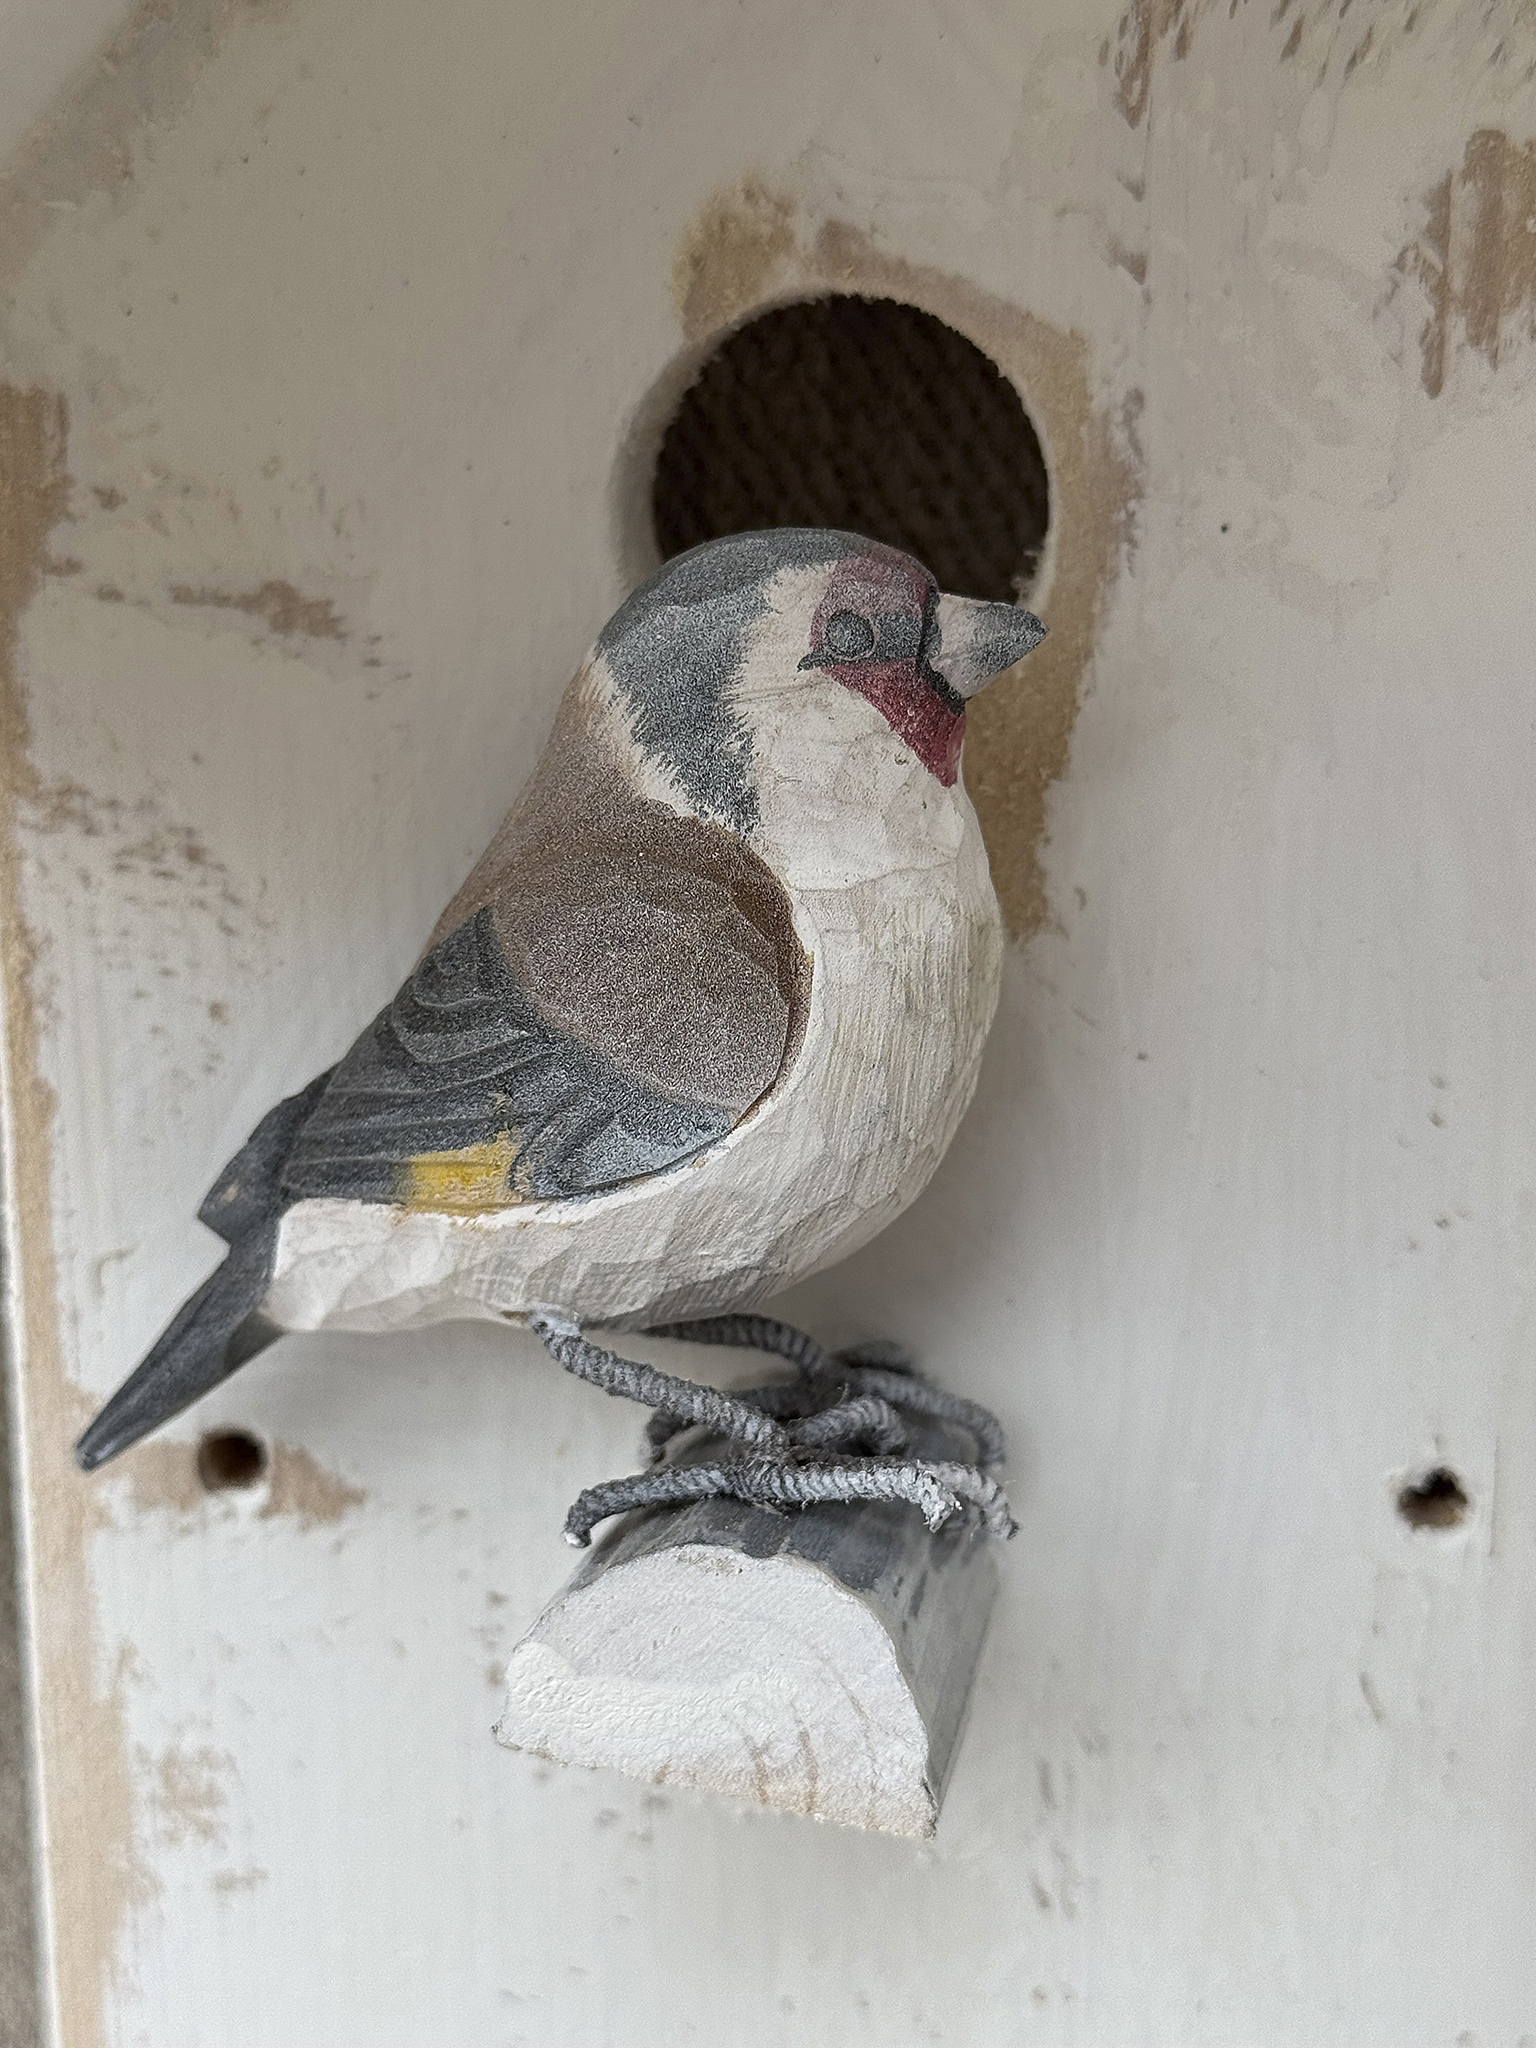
894 903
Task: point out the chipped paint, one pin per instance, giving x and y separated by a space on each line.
160 1477
1148 28
279 607
748 248
188 1792
300 1487
95 1873
1143 26
1474 258
730 257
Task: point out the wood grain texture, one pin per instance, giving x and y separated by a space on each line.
816 1663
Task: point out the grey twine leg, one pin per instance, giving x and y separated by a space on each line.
919 1397
785 1399
865 1419
881 1352
752 1333
878 1367
681 1404
938 1490
767 1483
627 1379
800 1406
849 1404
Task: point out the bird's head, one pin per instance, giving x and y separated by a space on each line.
788 641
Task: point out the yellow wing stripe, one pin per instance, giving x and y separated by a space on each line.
467 1182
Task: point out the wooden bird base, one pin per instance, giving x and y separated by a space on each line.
817 1661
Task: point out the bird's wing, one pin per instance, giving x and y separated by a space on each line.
603 1017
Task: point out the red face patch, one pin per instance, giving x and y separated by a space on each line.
871 632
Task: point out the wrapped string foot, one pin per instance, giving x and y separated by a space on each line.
777 1627
777 1438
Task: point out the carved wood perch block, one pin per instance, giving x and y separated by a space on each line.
818 1662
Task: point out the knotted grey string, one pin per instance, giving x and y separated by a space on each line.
629 1380
849 1405
878 1368
752 1333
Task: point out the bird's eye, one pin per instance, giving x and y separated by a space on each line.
848 637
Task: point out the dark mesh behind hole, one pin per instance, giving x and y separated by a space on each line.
230 1457
866 414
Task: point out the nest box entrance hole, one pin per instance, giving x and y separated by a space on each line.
866 414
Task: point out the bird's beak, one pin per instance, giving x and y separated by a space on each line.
976 641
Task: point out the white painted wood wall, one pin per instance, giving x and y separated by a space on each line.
355 309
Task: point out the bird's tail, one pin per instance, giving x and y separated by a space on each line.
213 1332
221 1326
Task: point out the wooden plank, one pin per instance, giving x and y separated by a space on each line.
351 331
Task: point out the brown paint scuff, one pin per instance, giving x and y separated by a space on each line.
300 1486
730 256
86 1789
1143 26
1147 25
150 842
1361 51
149 848
279 607
187 1791
162 1478
1475 256
1020 730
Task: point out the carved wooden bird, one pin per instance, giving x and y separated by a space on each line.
702 1020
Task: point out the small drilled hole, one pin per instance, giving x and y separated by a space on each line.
230 1458
1437 1501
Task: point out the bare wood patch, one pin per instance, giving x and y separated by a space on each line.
1474 258
276 604
96 1874
818 1663
163 1479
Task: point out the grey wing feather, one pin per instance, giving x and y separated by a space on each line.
469 1055
248 1193
599 1019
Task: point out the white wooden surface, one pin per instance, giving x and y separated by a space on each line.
46 46
356 305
